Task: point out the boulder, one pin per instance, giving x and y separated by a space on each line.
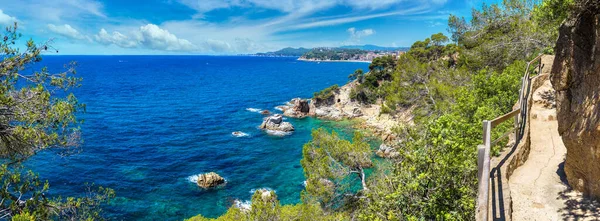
209 180
576 78
275 119
386 151
275 123
265 112
297 108
301 106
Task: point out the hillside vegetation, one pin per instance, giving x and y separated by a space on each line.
333 54
454 82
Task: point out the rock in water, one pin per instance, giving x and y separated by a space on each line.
297 108
265 112
275 119
209 180
276 123
576 79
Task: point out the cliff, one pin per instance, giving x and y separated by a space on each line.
337 105
576 79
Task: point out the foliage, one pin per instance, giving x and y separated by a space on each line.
33 118
498 35
334 54
326 94
380 70
453 87
432 48
358 75
265 206
296 52
332 166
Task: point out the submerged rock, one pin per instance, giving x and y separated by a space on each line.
275 123
209 180
265 112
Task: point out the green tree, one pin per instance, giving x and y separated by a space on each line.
265 206
357 75
33 118
438 39
457 27
332 166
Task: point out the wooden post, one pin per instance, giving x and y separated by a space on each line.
483 197
480 157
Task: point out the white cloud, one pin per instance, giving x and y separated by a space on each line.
357 35
66 30
203 6
156 38
350 19
56 11
147 36
115 38
6 19
360 33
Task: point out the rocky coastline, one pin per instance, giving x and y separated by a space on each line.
340 106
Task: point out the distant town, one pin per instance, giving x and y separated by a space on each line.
364 53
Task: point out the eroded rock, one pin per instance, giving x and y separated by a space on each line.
275 123
209 180
576 79
297 108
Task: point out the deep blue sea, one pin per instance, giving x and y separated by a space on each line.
152 122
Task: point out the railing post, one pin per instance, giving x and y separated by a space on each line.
480 157
484 183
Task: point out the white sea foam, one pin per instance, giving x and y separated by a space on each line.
193 178
304 183
255 110
243 205
239 134
252 191
279 108
278 133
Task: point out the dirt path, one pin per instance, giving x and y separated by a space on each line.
536 185
538 188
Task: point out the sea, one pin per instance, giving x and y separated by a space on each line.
152 123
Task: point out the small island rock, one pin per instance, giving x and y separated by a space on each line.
276 123
209 180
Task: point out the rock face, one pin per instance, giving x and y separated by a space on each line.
386 151
209 180
297 108
576 79
276 123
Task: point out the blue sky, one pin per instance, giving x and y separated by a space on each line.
226 26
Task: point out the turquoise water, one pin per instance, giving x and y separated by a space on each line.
152 122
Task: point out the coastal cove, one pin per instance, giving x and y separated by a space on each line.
153 122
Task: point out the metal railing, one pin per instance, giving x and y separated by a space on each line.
483 151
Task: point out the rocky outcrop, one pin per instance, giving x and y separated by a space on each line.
297 108
340 106
576 79
386 151
209 180
276 123
265 112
